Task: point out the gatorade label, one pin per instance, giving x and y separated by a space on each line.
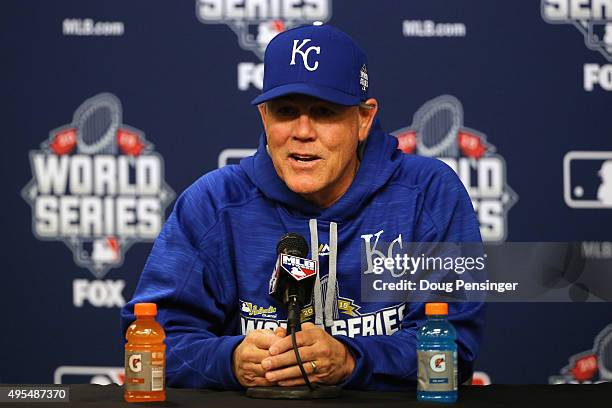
437 370
144 371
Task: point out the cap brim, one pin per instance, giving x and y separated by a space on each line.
321 92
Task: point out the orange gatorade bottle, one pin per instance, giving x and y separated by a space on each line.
145 357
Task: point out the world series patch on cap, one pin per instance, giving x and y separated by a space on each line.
317 60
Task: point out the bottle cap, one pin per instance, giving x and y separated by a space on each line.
145 309
436 309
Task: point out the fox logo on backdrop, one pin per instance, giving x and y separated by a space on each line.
257 22
437 131
98 186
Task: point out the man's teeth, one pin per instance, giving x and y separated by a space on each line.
303 158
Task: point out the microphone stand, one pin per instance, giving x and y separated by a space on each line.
308 391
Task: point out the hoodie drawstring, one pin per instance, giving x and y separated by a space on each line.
314 249
325 313
330 299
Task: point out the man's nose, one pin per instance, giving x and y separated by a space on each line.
303 128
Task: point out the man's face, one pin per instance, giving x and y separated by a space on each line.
313 144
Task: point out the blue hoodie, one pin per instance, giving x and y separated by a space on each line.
210 267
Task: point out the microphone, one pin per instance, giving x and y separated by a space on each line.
293 278
292 284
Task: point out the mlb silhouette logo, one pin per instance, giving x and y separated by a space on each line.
587 179
600 34
89 375
266 31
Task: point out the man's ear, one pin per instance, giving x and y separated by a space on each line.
367 112
263 112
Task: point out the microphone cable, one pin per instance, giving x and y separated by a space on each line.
293 317
299 361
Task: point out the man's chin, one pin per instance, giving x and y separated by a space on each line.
305 188
306 192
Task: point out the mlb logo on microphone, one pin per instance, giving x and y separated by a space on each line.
299 268
587 179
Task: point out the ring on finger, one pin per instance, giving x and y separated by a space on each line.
314 367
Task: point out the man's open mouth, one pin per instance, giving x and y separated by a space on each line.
303 157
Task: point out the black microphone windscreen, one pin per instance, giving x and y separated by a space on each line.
292 244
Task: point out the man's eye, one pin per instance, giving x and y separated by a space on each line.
286 111
322 112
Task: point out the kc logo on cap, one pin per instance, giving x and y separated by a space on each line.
304 54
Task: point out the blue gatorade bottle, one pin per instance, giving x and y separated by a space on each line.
437 356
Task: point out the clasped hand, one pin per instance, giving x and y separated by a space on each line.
266 358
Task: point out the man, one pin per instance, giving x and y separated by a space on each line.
325 170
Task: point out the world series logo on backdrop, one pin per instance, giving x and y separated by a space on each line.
98 186
590 366
594 21
437 130
257 22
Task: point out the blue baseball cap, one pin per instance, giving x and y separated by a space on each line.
317 60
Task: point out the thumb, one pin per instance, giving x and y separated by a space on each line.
280 331
309 326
